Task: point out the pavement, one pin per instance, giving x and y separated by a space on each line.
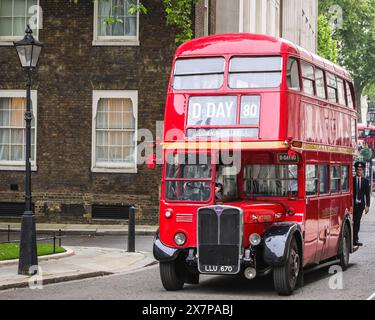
90 253
77 263
85 229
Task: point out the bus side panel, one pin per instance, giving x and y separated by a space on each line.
296 117
176 107
311 230
324 228
344 204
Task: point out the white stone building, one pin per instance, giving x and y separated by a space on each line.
295 20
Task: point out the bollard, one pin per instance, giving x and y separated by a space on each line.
131 230
8 233
54 242
59 237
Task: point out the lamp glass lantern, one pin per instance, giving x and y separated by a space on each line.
28 50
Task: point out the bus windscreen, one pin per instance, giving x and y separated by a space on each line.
188 177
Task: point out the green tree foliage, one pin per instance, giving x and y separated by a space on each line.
327 46
370 92
355 36
178 14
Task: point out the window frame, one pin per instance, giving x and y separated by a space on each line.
299 74
8 40
343 91
348 177
113 94
21 165
244 180
198 74
349 93
330 179
204 180
324 83
326 165
113 40
229 72
315 179
328 74
304 78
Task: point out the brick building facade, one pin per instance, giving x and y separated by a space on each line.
85 67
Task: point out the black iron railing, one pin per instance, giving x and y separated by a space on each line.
55 236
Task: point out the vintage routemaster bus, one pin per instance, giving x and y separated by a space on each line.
287 119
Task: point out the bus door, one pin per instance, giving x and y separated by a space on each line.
339 205
324 213
312 216
335 208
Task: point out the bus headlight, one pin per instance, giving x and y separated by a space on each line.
255 239
180 239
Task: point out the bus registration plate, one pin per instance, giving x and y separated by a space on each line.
219 269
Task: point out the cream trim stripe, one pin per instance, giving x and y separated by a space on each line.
326 148
258 145
225 145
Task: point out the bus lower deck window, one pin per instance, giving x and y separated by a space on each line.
271 180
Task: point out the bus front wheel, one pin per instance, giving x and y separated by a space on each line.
285 277
171 274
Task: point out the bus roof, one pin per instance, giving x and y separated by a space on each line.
361 126
254 44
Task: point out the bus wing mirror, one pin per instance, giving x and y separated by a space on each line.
151 161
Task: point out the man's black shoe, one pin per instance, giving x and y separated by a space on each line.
359 244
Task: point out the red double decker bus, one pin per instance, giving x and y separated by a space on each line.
363 133
259 138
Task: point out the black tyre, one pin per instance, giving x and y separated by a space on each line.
285 277
344 252
171 275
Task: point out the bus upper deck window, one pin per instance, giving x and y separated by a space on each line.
199 74
255 72
293 75
349 95
332 87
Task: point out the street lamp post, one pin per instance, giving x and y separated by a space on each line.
28 50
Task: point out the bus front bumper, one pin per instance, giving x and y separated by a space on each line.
164 253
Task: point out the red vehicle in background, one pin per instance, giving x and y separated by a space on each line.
366 135
371 137
286 118
362 132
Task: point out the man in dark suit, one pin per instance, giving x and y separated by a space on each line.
361 199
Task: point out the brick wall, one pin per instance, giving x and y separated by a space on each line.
70 69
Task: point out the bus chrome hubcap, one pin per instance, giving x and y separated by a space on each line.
345 249
294 266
